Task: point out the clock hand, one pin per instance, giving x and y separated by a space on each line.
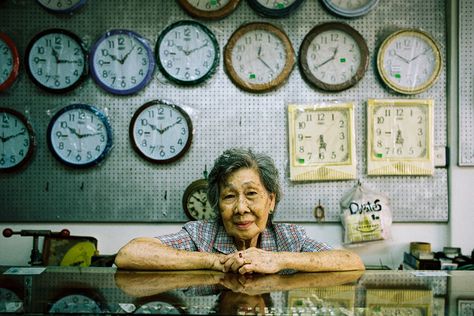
170 126
55 54
88 135
403 58
153 127
122 61
328 60
73 130
266 65
424 52
259 51
113 57
194 49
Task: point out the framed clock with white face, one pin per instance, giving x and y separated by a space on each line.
333 56
17 140
350 8
321 142
195 203
161 132
9 62
409 61
187 52
79 135
62 6
56 60
400 137
259 57
122 62
274 8
209 9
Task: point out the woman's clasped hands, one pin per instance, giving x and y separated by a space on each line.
251 260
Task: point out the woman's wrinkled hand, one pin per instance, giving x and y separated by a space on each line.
252 260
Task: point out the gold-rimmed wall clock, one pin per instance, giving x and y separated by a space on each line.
409 61
400 137
321 142
259 57
333 56
209 9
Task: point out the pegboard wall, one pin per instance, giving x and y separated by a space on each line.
466 83
126 188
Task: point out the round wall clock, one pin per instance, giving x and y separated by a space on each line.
17 140
62 6
333 56
56 60
350 8
195 202
409 61
209 9
259 57
274 8
79 135
9 62
160 131
122 62
187 52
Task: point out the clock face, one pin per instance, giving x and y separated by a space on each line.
76 304
400 132
62 6
275 8
9 62
209 9
259 57
79 135
160 131
56 60
321 137
187 52
409 61
333 56
350 8
17 140
195 202
122 62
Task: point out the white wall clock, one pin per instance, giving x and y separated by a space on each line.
350 8
79 135
209 9
321 142
122 62
400 137
161 132
62 6
409 61
187 52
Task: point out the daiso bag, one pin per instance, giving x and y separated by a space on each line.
365 216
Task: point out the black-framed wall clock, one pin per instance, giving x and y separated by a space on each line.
187 52
17 140
333 56
122 62
409 61
9 62
275 8
80 135
209 9
56 60
195 203
350 8
259 57
62 6
161 131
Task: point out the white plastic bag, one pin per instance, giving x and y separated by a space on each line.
365 215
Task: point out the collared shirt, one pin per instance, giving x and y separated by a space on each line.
210 236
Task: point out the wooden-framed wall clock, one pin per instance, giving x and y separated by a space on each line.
187 52
209 9
17 140
195 203
56 60
161 131
122 62
275 8
400 137
9 62
259 57
350 8
62 6
333 56
409 61
321 142
79 135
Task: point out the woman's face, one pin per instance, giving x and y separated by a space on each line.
245 204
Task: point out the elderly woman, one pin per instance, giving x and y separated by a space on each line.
244 188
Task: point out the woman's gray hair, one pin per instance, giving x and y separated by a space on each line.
234 159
